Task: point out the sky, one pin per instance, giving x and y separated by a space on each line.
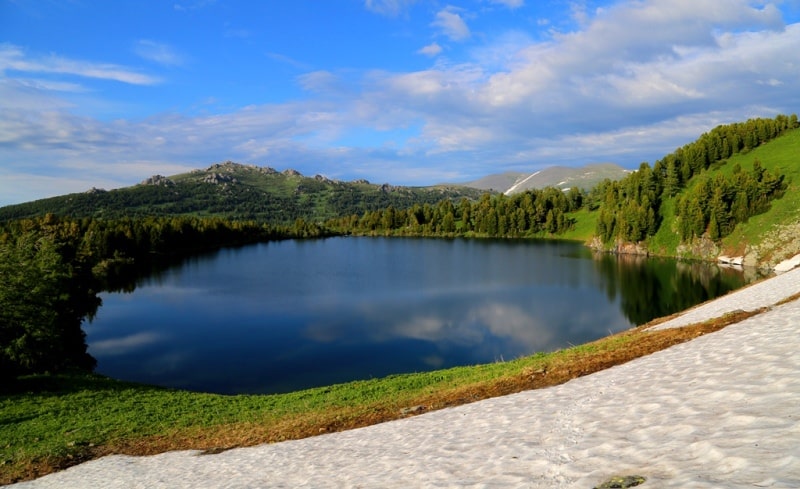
409 92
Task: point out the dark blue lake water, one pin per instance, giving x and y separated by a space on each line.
288 315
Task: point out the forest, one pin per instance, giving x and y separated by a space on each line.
531 213
631 207
54 266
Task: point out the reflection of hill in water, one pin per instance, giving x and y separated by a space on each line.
649 288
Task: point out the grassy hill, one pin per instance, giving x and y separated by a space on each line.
763 239
774 235
243 192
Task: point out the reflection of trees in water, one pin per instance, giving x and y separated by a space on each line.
125 275
655 287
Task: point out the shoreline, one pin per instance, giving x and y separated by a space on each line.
718 411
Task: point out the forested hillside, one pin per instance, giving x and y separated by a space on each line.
707 202
686 204
241 192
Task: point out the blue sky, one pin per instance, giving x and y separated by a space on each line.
106 93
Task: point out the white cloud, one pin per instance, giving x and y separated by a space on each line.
14 59
512 4
157 52
432 49
635 81
451 24
390 8
320 81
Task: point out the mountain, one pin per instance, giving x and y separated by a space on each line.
235 191
561 177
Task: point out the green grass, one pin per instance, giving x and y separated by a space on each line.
585 225
60 419
781 156
666 240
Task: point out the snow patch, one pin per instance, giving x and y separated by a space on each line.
517 185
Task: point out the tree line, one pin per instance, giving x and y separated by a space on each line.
530 213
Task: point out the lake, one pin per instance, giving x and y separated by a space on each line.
287 315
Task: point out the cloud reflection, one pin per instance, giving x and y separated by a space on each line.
544 323
126 344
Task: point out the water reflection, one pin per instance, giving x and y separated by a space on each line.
655 287
288 315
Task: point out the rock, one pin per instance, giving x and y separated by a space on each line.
412 410
292 173
217 178
621 482
731 260
159 180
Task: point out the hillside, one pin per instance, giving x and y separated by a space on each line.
242 192
774 235
560 177
733 192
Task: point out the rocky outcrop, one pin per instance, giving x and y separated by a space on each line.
324 179
620 247
778 244
219 178
701 248
159 180
230 166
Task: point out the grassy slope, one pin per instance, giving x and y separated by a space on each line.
585 224
776 232
781 156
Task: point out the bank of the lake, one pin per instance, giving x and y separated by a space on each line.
716 412
59 421
289 315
